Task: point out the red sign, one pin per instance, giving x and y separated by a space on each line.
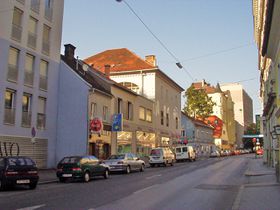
96 124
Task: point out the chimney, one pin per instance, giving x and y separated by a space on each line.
107 70
69 51
151 59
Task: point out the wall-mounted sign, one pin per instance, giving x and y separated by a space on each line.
117 122
96 125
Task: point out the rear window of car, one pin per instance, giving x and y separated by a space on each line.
155 152
70 160
20 162
113 157
185 149
178 149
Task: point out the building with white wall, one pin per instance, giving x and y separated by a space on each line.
145 78
30 39
243 109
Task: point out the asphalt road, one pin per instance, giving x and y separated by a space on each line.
204 184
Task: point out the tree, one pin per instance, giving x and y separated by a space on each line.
198 104
252 129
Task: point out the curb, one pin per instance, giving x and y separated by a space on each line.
47 182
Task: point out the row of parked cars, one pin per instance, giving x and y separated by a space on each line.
20 170
224 153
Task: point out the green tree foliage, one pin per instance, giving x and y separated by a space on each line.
252 129
198 104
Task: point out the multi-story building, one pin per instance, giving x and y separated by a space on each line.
243 109
30 39
145 78
198 134
266 15
223 109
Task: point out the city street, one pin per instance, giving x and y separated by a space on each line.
204 184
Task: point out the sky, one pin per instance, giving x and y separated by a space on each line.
212 39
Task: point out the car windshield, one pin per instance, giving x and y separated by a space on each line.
70 160
155 152
114 157
20 162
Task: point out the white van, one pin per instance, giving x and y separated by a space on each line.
161 156
185 153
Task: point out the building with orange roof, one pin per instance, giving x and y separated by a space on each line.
145 78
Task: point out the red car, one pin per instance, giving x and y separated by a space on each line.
259 152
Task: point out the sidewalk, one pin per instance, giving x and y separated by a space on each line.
47 176
261 191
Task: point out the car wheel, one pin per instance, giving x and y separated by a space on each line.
127 169
142 168
32 186
61 179
86 177
106 174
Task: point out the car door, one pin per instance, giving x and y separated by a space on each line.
136 162
2 167
96 164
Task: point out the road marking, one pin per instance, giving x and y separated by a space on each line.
237 200
144 189
32 207
154 176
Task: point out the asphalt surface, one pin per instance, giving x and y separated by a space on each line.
204 184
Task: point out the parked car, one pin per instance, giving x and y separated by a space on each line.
18 170
185 153
259 151
215 154
125 162
81 167
161 156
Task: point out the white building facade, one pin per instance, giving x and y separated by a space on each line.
30 39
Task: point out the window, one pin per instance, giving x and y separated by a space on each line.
32 32
48 9
141 113
17 22
13 64
93 110
43 84
35 5
130 86
29 70
26 110
167 119
183 133
161 118
176 122
105 113
129 111
10 102
46 40
149 115
41 115
119 108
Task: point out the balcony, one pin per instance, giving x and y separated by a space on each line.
12 73
31 41
28 78
41 121
9 116
16 32
46 48
43 84
26 119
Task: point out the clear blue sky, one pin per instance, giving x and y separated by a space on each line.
189 28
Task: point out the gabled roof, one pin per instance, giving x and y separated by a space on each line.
119 59
197 121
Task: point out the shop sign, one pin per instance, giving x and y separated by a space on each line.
117 122
96 125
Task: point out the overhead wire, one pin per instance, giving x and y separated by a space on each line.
178 63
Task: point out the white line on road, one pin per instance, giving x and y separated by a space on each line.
154 176
144 189
32 207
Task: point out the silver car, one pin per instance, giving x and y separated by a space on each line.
125 162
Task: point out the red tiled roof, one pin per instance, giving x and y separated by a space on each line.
119 59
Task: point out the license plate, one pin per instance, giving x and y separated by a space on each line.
23 181
66 175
